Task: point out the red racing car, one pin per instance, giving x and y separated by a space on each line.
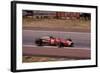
51 41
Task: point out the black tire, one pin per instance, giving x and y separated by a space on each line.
60 45
39 42
72 45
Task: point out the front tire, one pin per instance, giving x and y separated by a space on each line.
72 45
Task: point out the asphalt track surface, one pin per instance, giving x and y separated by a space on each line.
58 52
80 39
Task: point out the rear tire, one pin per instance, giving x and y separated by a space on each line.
60 45
39 42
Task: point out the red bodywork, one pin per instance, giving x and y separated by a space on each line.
54 41
59 40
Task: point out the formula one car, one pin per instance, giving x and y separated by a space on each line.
51 41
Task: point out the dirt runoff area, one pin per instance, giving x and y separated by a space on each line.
74 25
29 59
